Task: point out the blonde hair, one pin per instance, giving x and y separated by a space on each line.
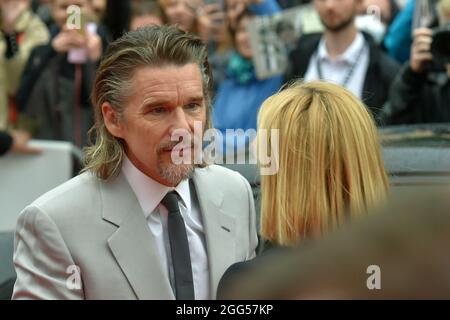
330 165
154 46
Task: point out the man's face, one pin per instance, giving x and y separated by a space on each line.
164 99
337 14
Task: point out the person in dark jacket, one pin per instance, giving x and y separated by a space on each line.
55 87
344 55
421 92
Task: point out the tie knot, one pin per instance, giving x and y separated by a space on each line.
170 201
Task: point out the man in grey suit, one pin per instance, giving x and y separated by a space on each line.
134 224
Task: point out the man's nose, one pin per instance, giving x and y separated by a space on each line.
180 8
179 120
330 4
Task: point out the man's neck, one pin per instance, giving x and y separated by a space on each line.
337 42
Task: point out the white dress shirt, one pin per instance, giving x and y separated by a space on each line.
335 70
150 194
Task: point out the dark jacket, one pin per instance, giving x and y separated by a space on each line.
418 98
5 142
229 280
380 73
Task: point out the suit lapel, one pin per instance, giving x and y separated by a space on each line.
133 245
219 227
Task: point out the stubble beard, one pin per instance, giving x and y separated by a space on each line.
341 26
175 173
171 172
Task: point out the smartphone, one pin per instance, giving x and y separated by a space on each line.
221 3
79 55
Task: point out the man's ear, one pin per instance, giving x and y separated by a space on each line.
112 121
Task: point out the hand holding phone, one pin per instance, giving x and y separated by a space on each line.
77 53
211 19
219 4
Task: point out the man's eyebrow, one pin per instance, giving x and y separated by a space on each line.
197 98
152 101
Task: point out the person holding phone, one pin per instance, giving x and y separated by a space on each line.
205 18
54 92
211 19
421 91
181 13
214 28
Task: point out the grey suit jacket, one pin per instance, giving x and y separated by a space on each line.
89 239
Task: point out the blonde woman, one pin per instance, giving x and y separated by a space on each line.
329 164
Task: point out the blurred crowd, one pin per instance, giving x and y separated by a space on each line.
398 66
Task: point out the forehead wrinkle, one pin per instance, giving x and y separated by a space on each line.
170 92
158 86
153 89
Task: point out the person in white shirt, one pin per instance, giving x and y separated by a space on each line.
135 224
343 55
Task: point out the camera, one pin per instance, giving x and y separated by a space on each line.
440 45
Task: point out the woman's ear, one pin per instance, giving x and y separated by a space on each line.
112 120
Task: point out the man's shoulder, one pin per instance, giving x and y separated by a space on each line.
78 189
299 58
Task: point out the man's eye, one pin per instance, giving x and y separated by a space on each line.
192 106
158 110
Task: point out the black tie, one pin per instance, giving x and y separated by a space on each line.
179 247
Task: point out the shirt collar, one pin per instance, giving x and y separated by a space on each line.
348 56
149 192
